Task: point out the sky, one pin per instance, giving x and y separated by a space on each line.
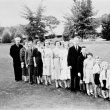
10 10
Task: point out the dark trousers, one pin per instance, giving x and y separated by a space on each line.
24 71
75 81
31 73
17 71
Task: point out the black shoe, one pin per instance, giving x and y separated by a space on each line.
106 98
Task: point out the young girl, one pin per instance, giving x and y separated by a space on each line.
47 63
96 74
88 73
108 81
65 70
103 79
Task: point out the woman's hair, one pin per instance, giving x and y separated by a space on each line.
57 41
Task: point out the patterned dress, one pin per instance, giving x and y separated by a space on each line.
65 70
47 62
88 73
57 65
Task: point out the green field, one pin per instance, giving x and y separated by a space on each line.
24 96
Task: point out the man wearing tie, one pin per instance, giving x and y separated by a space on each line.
15 54
29 60
73 53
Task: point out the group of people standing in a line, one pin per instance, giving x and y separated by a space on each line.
66 63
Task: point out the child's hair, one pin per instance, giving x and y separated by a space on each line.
83 47
90 54
103 64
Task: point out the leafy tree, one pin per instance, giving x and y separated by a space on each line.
35 26
1 30
6 37
81 19
105 21
51 22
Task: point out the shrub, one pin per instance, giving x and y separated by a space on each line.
6 37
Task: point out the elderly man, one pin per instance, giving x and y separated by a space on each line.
73 54
15 54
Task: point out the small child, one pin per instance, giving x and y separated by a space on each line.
96 74
103 79
88 73
108 81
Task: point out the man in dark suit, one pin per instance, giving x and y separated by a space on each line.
73 54
80 63
15 54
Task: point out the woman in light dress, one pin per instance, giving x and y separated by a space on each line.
52 46
47 63
56 64
65 70
88 73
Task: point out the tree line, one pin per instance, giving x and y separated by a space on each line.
80 21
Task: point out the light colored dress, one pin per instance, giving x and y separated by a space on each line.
65 70
108 79
47 62
57 65
88 73
52 69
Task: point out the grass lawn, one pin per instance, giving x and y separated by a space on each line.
24 96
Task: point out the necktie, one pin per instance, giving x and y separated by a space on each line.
77 48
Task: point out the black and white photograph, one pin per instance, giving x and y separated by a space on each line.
54 54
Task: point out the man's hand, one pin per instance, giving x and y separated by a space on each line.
35 65
81 81
79 74
22 65
26 66
70 67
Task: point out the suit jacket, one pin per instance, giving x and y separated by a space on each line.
72 57
80 63
15 53
29 57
